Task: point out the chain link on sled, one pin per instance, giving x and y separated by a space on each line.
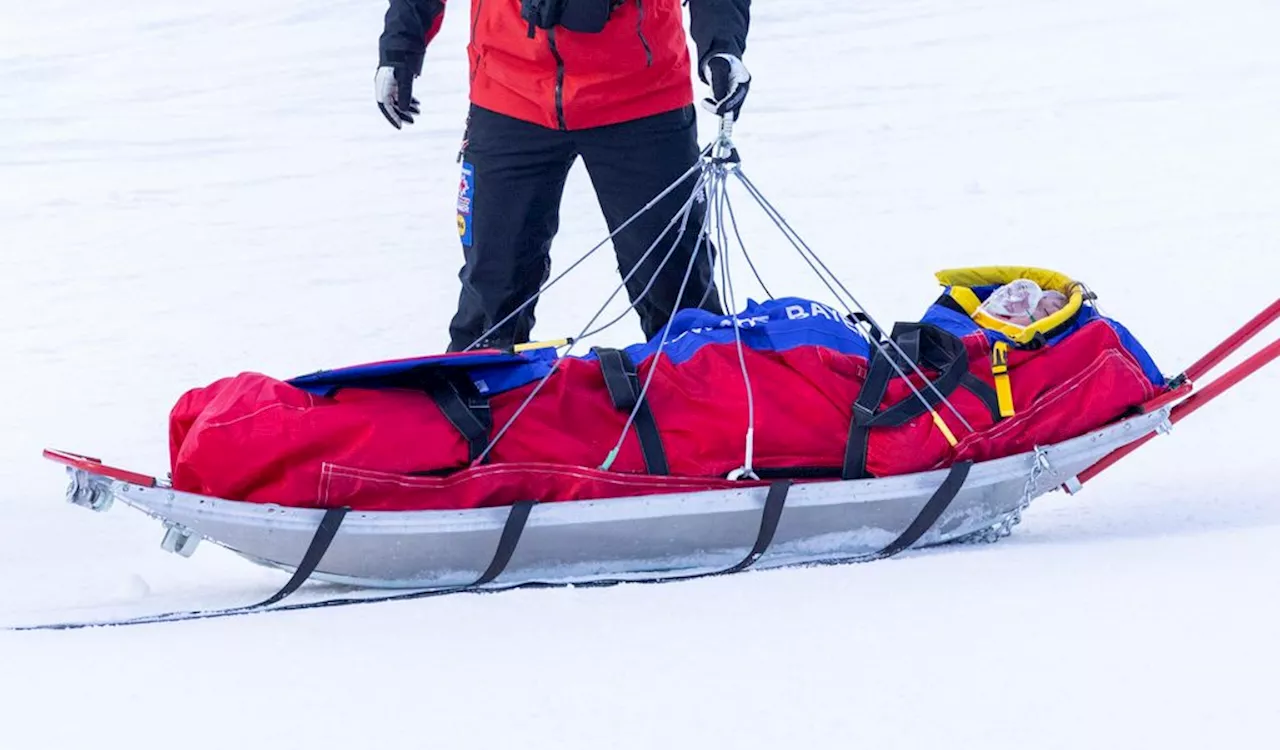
1003 526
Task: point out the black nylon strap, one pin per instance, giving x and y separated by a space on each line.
936 349
869 397
769 517
330 522
873 388
861 317
855 452
617 380
623 384
978 387
949 302
512 530
463 406
924 345
931 512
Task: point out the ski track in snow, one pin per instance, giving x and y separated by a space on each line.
186 193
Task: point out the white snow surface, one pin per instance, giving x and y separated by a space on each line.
190 192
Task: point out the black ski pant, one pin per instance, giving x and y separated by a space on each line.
513 175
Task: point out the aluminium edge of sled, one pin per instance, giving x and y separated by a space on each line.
675 535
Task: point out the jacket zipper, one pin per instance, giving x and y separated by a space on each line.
551 38
466 128
648 53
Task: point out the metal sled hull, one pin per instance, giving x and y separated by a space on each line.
639 537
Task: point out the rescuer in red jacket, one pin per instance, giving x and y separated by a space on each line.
552 80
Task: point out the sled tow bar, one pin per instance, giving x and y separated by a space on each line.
1181 386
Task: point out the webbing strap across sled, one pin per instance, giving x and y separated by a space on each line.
924 345
517 519
463 405
623 384
326 532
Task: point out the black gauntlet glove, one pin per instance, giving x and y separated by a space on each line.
729 83
393 89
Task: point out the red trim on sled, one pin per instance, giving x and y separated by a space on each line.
95 466
1166 398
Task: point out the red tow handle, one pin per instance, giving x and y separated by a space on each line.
1184 383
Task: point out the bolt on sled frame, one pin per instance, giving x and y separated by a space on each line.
663 537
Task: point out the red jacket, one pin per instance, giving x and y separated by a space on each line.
639 65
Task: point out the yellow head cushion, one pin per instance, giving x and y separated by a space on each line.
962 280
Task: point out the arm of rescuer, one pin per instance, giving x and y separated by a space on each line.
409 26
719 29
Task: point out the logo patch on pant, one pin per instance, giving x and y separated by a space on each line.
466 195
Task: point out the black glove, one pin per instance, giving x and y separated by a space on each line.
729 83
393 88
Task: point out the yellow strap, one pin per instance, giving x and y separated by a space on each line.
946 431
1000 369
557 343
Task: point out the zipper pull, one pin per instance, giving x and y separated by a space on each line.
466 138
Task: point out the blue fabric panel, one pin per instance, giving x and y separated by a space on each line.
491 371
775 325
955 323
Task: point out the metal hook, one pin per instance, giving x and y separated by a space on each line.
723 151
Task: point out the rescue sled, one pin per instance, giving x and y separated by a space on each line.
673 534
631 517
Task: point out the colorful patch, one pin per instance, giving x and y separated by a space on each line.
466 196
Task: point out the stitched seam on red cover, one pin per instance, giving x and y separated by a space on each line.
1067 387
326 477
256 412
348 472
1131 361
